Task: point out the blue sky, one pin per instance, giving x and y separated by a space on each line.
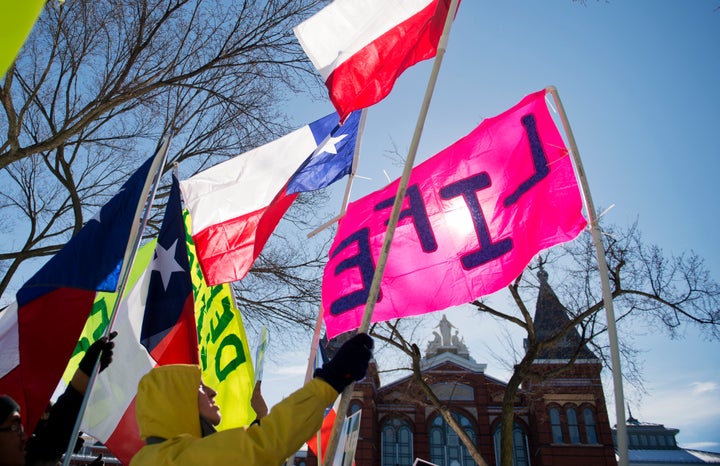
639 81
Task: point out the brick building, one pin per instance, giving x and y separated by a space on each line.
559 422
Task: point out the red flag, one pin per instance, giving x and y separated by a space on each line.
361 48
473 217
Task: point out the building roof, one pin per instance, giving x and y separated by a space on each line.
551 315
678 456
652 453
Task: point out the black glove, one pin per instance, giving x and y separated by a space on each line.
102 348
98 461
349 364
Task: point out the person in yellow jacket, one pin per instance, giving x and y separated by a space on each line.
176 415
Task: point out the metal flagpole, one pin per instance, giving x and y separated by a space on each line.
147 196
622 439
392 223
351 177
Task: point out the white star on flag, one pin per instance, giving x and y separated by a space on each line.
329 145
165 263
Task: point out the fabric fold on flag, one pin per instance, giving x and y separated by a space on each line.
473 217
156 326
236 205
361 48
54 304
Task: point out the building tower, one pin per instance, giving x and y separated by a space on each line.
567 410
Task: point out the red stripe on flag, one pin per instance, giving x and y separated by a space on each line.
125 440
61 312
180 345
227 250
370 74
325 432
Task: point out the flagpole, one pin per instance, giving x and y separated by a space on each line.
622 439
147 196
311 365
351 177
392 223
314 347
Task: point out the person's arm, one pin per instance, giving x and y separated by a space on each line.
282 432
52 436
258 403
298 417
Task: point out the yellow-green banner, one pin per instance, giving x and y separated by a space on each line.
224 352
16 21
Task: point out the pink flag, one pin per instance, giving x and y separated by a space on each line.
473 217
361 48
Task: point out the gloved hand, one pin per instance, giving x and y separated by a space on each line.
98 461
349 364
103 348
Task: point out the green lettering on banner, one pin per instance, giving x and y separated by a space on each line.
99 309
222 321
234 341
222 343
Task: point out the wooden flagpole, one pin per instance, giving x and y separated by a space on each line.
392 223
309 373
147 196
622 439
351 177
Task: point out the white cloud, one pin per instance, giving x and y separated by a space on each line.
682 405
701 388
707 446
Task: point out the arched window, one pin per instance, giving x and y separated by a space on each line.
573 429
590 430
397 440
446 449
520 446
555 425
355 406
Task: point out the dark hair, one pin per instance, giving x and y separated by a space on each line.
7 407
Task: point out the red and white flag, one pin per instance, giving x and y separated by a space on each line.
236 205
361 47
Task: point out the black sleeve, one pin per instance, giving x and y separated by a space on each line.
50 438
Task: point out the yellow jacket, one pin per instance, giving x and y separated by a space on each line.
167 407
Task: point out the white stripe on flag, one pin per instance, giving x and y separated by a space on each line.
220 193
348 26
9 340
116 386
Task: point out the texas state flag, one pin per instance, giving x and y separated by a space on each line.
236 205
361 47
40 331
156 326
